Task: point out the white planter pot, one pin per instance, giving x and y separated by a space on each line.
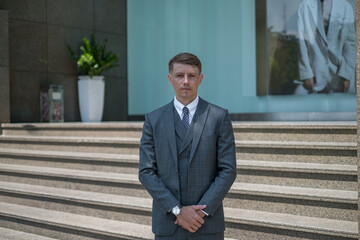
91 98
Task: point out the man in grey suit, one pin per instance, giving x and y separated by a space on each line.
187 159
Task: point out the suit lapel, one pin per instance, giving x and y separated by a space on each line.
335 22
199 124
169 124
320 22
316 14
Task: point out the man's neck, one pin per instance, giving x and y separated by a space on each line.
185 102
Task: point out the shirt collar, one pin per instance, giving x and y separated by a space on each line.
191 106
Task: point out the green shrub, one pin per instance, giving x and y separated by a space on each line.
94 59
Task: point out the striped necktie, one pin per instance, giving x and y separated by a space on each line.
185 118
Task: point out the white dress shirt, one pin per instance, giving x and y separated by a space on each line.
191 106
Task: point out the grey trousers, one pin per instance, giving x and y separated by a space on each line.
182 234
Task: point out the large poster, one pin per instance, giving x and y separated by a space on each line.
311 46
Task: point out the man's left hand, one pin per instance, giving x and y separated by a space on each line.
201 213
346 85
189 218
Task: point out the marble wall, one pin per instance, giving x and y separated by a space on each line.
358 98
39 31
4 67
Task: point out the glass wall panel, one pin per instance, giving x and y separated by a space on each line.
222 33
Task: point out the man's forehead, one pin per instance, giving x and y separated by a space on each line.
181 67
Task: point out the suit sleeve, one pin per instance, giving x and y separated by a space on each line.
226 164
305 69
148 176
348 60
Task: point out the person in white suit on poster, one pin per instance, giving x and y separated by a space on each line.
327 43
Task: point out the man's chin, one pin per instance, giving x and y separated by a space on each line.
186 96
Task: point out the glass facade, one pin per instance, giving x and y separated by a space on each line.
224 35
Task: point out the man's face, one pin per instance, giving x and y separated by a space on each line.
185 79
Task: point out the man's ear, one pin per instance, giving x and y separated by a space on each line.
169 77
201 78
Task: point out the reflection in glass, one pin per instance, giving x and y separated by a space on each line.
311 46
327 46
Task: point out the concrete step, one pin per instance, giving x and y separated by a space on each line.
275 131
74 129
132 179
323 202
325 228
298 174
296 180
315 194
70 226
341 205
312 202
296 145
298 151
110 206
71 173
10 234
257 150
105 182
290 131
109 228
335 176
121 145
305 170
299 167
83 197
121 162
105 162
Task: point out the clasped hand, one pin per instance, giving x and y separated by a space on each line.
191 217
309 84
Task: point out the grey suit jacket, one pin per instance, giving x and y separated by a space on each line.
212 166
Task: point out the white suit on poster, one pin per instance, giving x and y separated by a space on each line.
328 57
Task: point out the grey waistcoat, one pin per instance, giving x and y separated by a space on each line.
183 145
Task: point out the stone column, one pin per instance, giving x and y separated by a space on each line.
4 67
358 97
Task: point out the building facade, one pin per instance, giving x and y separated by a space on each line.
250 52
249 49
34 55
244 45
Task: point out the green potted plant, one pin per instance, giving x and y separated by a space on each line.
92 62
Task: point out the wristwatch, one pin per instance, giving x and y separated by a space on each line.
176 210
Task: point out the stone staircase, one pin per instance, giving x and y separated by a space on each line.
79 181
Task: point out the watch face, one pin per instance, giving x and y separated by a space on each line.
176 210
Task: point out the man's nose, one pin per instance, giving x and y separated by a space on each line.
186 78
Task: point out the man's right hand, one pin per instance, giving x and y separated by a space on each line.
309 84
346 84
189 219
